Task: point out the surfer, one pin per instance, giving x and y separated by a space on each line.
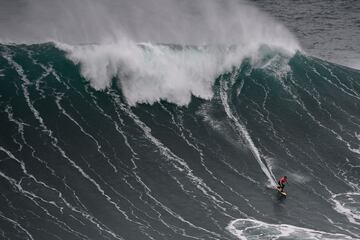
281 183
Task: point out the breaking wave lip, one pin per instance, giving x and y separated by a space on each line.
244 229
148 73
221 35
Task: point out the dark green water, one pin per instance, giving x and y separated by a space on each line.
80 163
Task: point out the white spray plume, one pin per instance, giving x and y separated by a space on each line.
184 22
143 50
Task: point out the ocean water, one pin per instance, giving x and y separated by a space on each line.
180 134
327 29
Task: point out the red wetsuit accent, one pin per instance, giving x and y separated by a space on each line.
283 180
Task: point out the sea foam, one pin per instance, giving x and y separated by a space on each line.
189 63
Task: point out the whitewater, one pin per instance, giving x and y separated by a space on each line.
174 125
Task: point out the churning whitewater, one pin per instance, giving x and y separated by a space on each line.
142 138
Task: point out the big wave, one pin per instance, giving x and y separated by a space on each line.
84 157
178 133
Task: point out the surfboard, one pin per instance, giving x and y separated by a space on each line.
282 193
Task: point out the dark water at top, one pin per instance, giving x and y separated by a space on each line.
327 29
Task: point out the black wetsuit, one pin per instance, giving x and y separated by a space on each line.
281 185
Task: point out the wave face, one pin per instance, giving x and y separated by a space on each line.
86 156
